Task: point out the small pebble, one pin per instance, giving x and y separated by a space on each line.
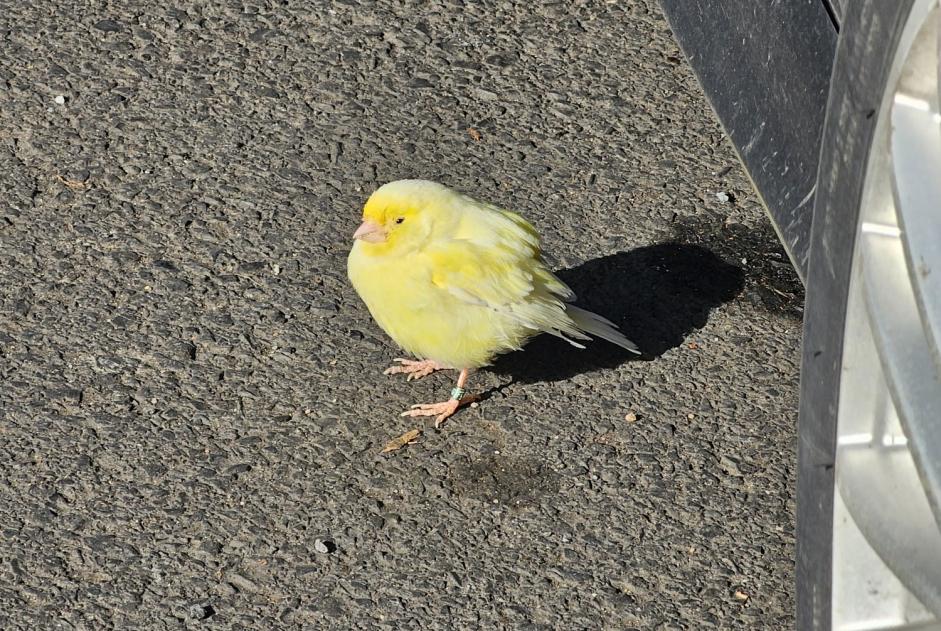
630 417
202 611
722 197
59 100
740 595
324 546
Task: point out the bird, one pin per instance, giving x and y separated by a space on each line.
456 282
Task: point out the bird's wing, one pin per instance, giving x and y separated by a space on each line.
488 277
519 288
490 227
503 248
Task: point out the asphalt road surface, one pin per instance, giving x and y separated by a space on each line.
192 398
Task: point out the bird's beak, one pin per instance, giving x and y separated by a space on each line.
370 231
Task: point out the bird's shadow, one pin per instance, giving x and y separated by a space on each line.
656 295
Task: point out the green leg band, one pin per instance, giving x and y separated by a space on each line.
457 394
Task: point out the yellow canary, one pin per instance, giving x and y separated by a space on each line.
455 282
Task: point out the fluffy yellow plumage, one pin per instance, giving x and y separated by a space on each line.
455 282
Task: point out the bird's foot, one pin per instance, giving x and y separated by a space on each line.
414 369
442 410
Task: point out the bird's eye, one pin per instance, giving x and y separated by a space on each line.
400 220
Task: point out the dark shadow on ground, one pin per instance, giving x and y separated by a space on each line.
656 295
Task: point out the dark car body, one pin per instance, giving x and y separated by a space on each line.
765 67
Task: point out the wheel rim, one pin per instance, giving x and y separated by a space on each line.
887 511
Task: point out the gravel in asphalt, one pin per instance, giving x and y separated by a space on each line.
192 400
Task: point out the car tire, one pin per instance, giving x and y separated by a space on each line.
871 33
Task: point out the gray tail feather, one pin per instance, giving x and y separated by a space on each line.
594 325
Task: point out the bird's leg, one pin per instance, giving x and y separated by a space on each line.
414 369
447 408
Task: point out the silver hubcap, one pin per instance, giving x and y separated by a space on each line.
887 509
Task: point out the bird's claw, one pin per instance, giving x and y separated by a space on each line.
440 411
443 410
414 369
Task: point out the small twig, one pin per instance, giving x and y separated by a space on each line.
74 185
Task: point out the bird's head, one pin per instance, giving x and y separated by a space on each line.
402 215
